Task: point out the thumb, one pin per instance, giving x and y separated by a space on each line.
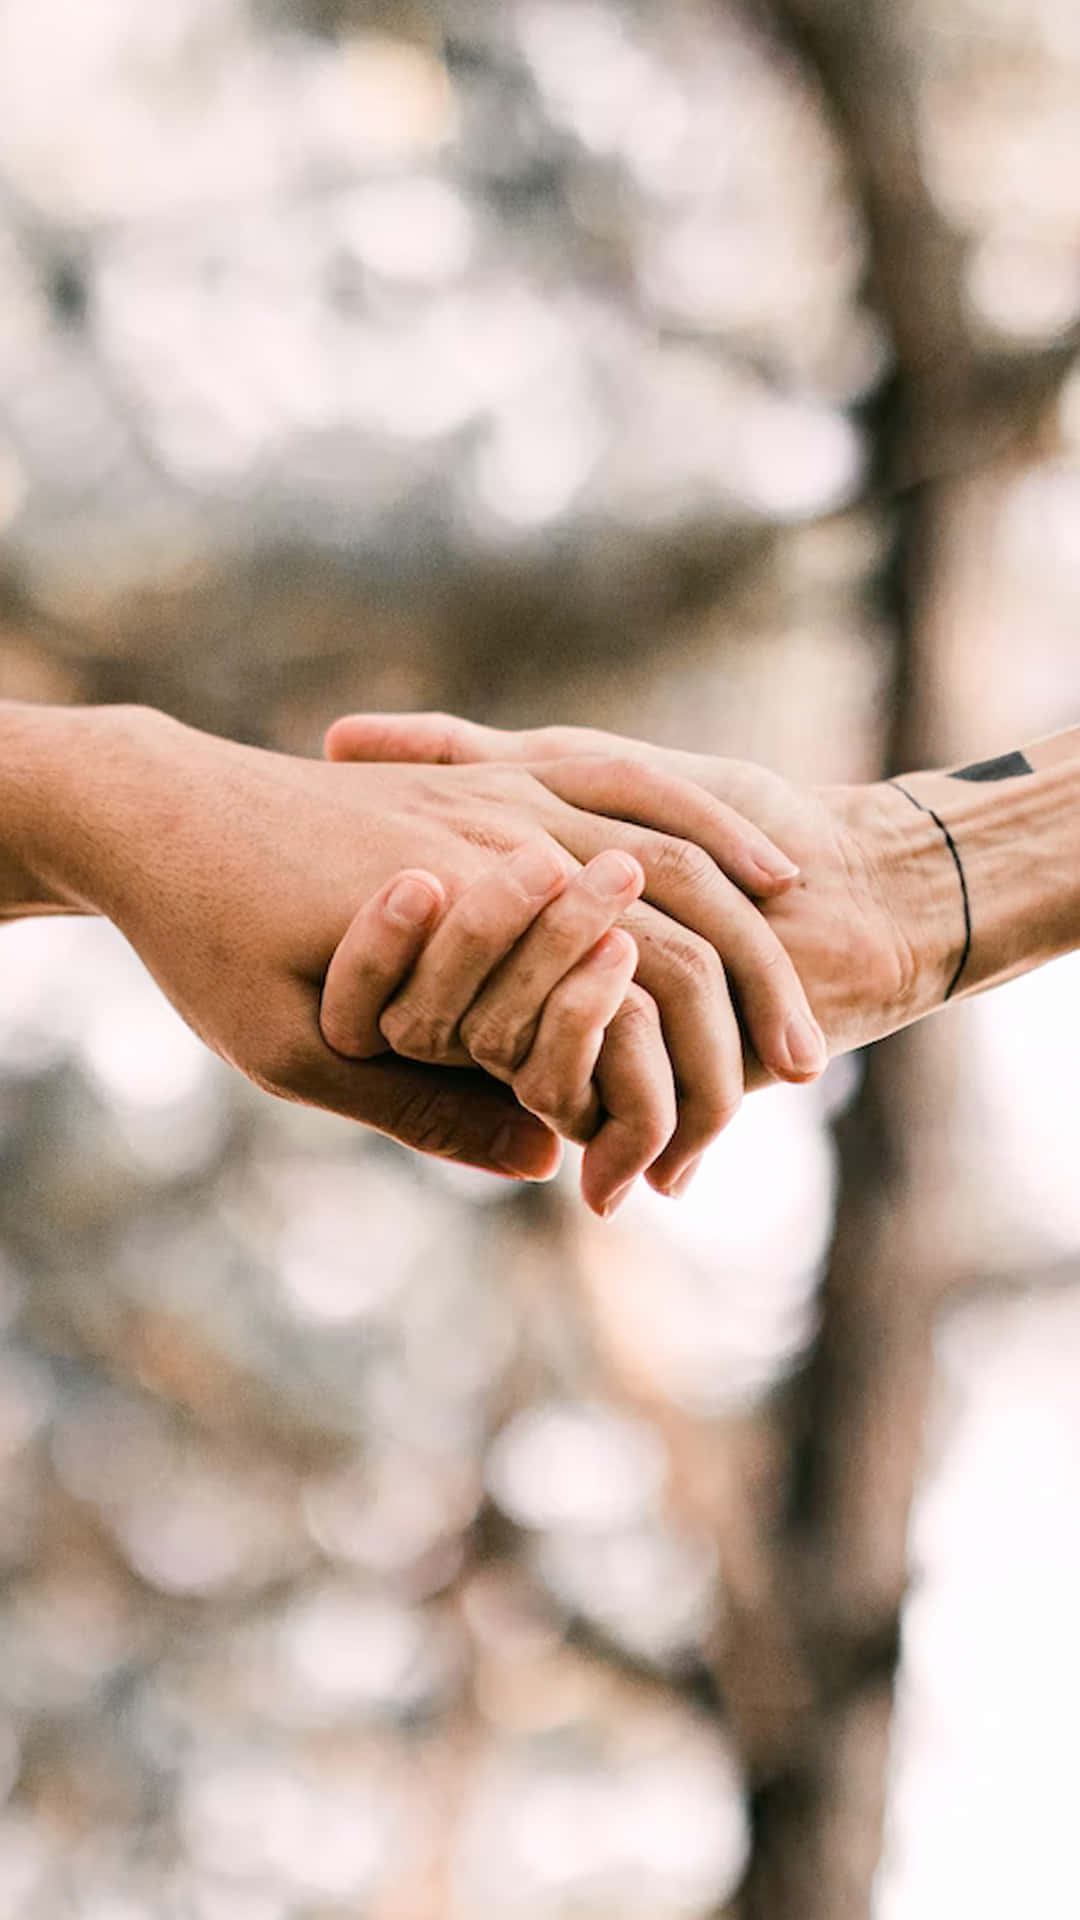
432 737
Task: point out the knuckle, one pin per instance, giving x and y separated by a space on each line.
510 786
416 1032
445 735
664 1116
638 1016
539 1089
555 740
494 1044
696 964
712 1109
621 767
653 1129
657 1137
682 864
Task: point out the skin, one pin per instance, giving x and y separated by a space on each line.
236 873
532 994
875 923
847 923
1018 838
681 982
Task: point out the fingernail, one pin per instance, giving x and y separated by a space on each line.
538 871
612 1206
611 950
776 867
523 1151
411 902
611 874
806 1049
678 1187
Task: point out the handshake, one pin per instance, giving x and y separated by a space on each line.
482 942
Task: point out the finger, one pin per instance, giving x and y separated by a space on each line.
439 738
685 1180
462 1116
498 1028
555 1080
787 1040
693 988
686 883
421 1021
628 790
446 739
637 1092
629 787
778 1017
372 960
683 974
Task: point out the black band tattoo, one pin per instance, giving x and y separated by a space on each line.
1005 767
958 863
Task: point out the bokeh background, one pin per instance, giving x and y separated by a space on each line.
377 1543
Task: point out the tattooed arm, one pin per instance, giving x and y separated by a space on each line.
1012 828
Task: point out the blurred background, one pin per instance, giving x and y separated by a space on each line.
377 1543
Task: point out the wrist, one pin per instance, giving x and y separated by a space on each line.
915 882
1018 840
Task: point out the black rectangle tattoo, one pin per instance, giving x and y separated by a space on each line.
1005 767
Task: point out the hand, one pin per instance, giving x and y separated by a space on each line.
235 873
679 980
852 924
534 993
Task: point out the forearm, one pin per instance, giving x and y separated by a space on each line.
40 750
1015 826
72 796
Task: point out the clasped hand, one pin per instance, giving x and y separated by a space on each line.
634 1038
475 941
